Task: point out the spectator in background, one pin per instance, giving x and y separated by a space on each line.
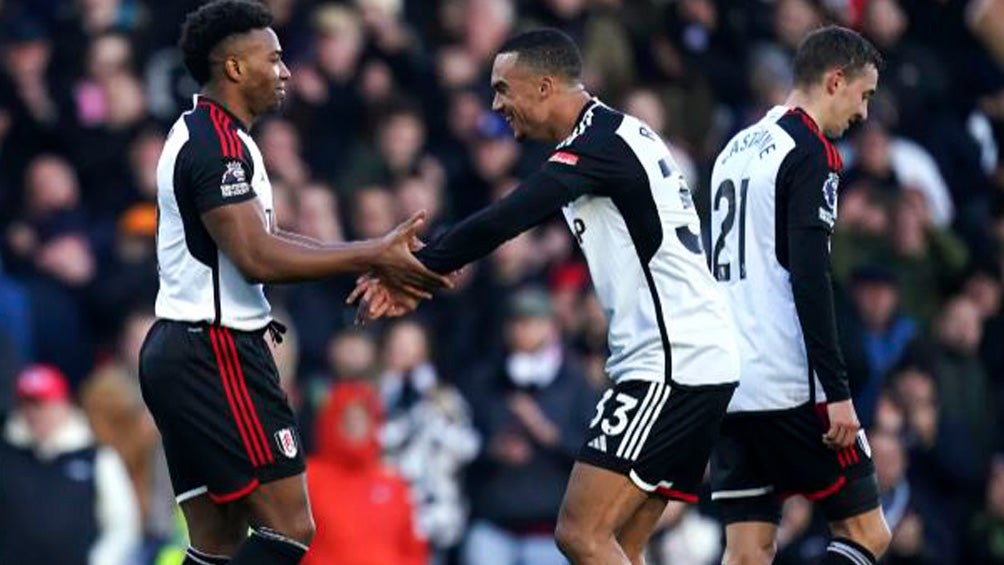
280 149
111 399
532 408
964 388
890 164
373 210
986 529
15 336
428 436
886 333
983 287
363 509
63 498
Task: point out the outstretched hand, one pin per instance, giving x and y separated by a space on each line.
377 301
398 269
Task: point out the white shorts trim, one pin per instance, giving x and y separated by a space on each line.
190 494
741 493
647 487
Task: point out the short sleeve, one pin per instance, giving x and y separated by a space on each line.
214 180
810 187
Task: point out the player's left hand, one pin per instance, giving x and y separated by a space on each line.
844 425
378 301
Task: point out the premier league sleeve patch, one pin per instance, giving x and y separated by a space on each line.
828 210
235 180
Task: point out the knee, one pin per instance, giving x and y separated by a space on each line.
871 533
760 552
574 541
303 529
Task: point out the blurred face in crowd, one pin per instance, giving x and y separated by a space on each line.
528 334
523 97
876 302
356 424
884 22
352 354
873 147
890 461
406 347
646 106
848 94
51 185
318 214
985 292
43 417
375 212
109 54
960 328
416 193
257 65
401 138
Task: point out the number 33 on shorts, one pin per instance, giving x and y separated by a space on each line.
624 417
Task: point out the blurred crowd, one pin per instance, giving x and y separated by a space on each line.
447 437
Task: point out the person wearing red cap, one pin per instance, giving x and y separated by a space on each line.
59 484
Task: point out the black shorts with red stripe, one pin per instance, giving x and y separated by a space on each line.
761 458
214 393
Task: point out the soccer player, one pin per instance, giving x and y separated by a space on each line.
674 359
206 373
791 426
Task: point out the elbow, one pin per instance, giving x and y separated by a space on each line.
253 265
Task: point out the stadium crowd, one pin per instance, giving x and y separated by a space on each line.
447 437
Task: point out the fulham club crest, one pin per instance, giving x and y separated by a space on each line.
286 441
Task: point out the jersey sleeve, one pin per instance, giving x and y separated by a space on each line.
212 179
536 198
590 166
809 187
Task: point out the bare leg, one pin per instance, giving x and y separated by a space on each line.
634 535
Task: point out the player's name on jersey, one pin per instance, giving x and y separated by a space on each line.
760 139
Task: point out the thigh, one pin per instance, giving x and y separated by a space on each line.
540 550
598 502
635 533
488 545
747 542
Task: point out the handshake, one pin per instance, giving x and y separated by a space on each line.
398 281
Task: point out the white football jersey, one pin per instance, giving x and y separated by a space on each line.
775 174
208 161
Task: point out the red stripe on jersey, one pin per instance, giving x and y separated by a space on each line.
819 494
833 160
228 131
220 132
243 387
224 370
840 458
677 495
234 495
853 454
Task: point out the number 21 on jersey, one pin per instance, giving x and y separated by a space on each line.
728 231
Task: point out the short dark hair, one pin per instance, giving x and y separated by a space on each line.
205 28
548 51
833 46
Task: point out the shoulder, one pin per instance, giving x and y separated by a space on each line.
810 145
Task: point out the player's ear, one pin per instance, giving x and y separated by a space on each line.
546 87
833 79
233 69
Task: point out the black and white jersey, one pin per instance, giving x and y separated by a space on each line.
773 207
208 160
631 211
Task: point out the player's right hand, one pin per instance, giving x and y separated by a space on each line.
844 425
398 268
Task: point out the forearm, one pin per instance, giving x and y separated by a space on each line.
280 260
299 238
478 235
811 284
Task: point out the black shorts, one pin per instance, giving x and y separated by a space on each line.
214 393
657 435
762 458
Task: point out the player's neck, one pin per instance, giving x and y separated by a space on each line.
810 105
230 102
567 114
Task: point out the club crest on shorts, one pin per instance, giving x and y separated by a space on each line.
286 441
